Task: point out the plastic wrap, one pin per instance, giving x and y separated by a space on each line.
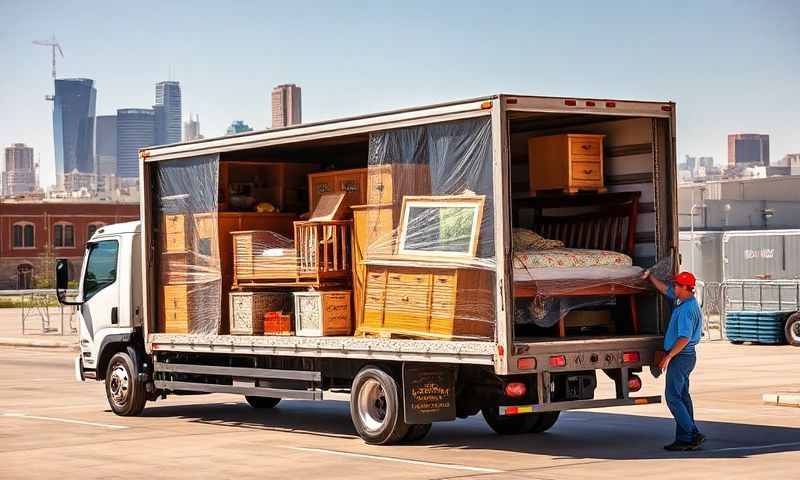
188 245
430 254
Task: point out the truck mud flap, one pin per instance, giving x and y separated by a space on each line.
428 393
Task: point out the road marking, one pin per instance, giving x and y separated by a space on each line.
754 447
399 460
64 420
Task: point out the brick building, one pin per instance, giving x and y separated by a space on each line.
34 234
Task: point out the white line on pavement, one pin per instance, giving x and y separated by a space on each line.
755 447
64 420
399 460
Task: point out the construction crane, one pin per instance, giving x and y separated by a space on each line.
54 45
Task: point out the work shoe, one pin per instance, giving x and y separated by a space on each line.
698 439
677 446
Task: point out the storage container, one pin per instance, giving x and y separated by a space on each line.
319 314
248 310
757 327
278 323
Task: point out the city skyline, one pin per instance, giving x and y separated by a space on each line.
431 62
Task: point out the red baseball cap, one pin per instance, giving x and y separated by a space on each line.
685 279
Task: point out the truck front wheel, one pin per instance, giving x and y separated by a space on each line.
793 329
125 392
376 407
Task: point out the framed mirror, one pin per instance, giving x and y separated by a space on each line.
440 226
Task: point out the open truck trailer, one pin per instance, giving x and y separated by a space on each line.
475 256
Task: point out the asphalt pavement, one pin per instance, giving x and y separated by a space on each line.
54 427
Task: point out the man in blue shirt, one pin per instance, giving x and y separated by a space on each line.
683 333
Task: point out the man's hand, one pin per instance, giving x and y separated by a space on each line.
646 275
664 362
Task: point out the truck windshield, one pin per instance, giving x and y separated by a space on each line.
101 267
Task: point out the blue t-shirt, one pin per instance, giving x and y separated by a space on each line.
686 321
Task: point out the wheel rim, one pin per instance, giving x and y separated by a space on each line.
372 405
794 332
119 385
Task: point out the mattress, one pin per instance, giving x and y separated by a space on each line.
600 273
569 258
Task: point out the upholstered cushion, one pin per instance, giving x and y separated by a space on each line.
525 240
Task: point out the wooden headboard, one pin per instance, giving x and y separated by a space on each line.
607 221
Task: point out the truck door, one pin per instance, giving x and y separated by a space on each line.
99 289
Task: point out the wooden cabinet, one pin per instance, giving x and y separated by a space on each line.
372 232
568 162
174 231
352 182
248 310
319 314
282 184
448 303
389 183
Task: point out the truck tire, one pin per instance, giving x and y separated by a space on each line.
417 432
792 329
262 402
376 407
545 422
125 392
509 424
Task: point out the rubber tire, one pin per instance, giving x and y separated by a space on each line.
137 397
736 342
394 428
262 402
792 322
545 422
511 424
417 432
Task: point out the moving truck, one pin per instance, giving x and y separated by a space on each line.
478 256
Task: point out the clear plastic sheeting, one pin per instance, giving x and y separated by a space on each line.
430 254
190 288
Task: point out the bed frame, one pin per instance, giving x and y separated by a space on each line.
593 221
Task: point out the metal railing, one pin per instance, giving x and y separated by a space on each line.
38 314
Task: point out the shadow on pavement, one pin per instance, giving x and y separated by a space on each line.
577 435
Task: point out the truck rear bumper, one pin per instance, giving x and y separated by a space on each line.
578 404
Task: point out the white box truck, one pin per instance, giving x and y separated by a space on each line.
525 349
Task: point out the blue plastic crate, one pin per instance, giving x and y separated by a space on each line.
757 327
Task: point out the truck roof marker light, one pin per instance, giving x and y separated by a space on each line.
558 361
631 357
666 108
511 101
634 383
611 104
516 390
590 103
526 363
486 105
571 103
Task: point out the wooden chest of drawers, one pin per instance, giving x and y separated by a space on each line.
568 162
188 308
352 182
450 303
175 232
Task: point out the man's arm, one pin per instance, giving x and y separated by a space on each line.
660 286
680 344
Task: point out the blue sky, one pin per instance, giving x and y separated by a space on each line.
732 66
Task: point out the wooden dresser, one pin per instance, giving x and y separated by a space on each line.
568 162
423 302
352 182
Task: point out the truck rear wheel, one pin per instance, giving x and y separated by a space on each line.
509 424
545 422
792 329
262 402
376 407
125 392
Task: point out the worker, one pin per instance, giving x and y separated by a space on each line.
683 333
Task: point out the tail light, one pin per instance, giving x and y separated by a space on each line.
558 361
631 357
590 103
570 103
516 390
634 383
526 363
611 104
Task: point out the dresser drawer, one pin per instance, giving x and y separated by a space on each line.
586 171
589 147
379 185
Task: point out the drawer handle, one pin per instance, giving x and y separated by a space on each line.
586 146
405 299
442 280
587 171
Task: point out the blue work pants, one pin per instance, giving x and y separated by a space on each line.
677 395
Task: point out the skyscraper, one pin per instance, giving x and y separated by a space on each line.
105 146
286 106
748 149
191 129
73 125
238 126
19 175
168 94
161 125
135 130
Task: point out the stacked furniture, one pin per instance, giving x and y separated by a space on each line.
567 162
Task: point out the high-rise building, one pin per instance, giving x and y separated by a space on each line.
747 149
161 124
168 94
105 145
191 129
19 175
286 106
135 130
73 125
238 126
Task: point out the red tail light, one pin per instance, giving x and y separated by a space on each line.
526 363
631 357
634 383
516 390
558 361
590 103
570 103
611 104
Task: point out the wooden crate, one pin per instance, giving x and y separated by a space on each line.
249 264
247 310
319 314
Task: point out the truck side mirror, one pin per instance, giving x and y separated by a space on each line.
62 281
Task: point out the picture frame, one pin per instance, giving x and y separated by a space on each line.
445 226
